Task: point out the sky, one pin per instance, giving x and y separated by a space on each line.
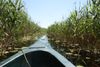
47 12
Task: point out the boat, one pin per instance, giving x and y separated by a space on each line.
39 54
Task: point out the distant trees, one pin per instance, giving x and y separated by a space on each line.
82 27
15 25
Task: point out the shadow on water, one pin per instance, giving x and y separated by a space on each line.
86 58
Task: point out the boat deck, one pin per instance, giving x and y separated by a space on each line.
39 54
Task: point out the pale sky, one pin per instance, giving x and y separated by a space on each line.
46 12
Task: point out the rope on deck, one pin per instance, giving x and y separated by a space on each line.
26 58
